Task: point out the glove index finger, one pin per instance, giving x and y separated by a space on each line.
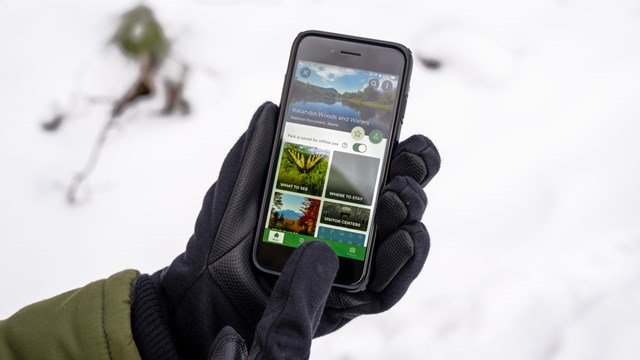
294 309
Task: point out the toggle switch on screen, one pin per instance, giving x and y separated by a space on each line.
357 147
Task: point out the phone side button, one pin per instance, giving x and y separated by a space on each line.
403 107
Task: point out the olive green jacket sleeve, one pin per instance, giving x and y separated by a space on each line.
93 322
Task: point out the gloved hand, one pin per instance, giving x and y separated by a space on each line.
292 313
181 309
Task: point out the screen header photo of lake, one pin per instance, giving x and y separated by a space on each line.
355 97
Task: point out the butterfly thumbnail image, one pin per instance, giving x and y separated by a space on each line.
303 169
304 162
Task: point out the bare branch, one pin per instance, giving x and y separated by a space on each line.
141 88
174 94
90 165
430 63
54 123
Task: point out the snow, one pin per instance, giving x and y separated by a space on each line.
533 217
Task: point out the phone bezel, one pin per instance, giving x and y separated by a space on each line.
375 55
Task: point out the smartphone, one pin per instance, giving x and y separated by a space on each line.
341 110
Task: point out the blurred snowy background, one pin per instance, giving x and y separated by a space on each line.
534 217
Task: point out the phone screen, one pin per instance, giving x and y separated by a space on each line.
336 134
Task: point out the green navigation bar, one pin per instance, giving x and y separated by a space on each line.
294 240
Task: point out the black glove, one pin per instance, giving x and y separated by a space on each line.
182 308
293 311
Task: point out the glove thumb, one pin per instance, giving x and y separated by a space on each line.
296 304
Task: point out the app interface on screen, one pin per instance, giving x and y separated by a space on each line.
337 125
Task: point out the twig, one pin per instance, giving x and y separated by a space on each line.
59 117
99 99
90 165
430 63
141 88
54 123
174 94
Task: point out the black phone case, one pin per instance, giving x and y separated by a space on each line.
395 133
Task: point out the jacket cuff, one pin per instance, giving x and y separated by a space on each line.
92 322
149 324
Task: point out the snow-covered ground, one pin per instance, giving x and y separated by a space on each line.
533 217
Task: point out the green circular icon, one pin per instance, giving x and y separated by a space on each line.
375 136
357 133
